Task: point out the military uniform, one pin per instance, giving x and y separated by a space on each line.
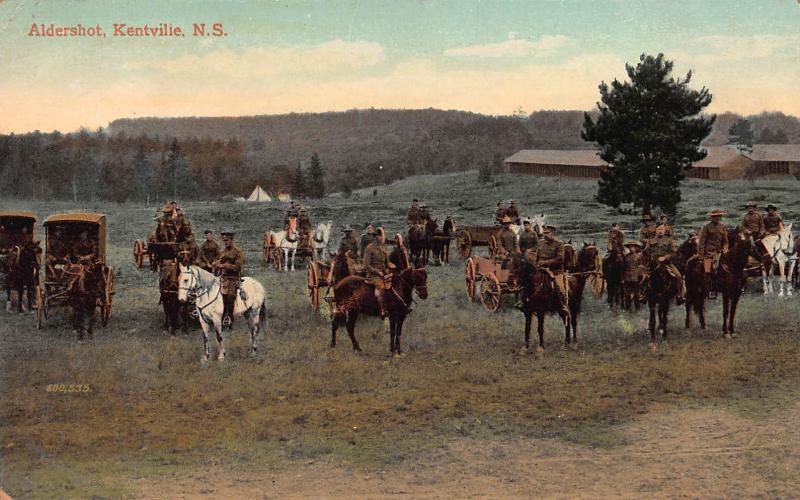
349 244
230 265
413 215
188 250
550 255
513 212
713 240
616 241
366 240
208 254
528 240
664 246
772 223
507 243
754 224
647 234
376 263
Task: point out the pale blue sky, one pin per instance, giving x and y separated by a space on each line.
487 56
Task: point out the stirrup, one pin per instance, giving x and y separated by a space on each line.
226 321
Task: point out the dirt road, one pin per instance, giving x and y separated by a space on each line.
668 453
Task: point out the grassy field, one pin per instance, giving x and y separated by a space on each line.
153 410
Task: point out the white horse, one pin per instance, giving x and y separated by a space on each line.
537 221
781 248
251 302
320 239
285 244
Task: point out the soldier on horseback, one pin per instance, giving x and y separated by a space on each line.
304 224
506 240
616 241
660 253
550 257
499 213
632 275
753 222
413 213
713 243
512 211
349 244
528 238
647 234
229 266
663 221
366 240
378 268
773 224
209 252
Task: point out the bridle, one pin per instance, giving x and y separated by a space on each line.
420 289
192 290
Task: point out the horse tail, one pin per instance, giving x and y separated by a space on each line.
262 314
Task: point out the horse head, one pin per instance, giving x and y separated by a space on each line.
588 258
570 260
419 278
538 222
187 283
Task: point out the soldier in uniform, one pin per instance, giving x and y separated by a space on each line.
647 234
528 239
616 241
773 224
507 244
713 243
377 266
83 250
413 213
660 252
209 252
400 257
550 256
366 239
304 226
424 213
632 274
349 244
166 230
753 221
663 221
499 212
229 266
512 211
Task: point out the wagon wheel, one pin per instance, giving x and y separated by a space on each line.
490 293
313 286
276 258
39 308
108 299
138 254
470 278
464 244
267 254
492 245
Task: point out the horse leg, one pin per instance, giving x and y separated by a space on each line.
337 321
398 331
540 329
528 320
689 304
574 316
352 316
734 304
700 310
781 278
789 278
725 305
392 326
205 326
652 326
220 340
663 316
254 319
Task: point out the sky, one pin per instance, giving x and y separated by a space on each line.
493 57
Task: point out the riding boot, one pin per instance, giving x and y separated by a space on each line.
227 314
709 283
381 302
680 297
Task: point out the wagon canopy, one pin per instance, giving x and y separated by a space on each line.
14 220
73 223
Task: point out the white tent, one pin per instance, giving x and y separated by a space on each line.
259 194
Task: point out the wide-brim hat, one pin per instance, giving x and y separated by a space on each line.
506 220
717 213
633 243
167 209
548 227
228 234
208 231
646 217
771 206
751 204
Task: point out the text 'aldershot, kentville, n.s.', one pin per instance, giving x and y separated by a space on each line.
125 30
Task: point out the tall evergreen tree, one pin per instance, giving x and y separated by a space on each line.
315 184
741 134
649 131
299 189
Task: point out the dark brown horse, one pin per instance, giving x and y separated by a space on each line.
442 239
175 313
538 296
660 289
353 296
730 277
689 262
585 264
23 273
85 290
613 271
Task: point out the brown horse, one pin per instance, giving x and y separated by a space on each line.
441 241
730 277
85 290
584 264
175 313
689 262
613 272
353 296
660 289
23 273
538 296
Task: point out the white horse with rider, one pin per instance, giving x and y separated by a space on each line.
251 302
288 242
320 239
780 247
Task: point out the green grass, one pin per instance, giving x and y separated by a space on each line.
154 409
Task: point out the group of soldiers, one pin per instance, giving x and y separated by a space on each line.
297 224
510 210
226 262
418 213
657 244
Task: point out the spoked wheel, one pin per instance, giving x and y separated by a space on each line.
490 293
492 245
39 308
470 278
138 254
313 286
108 298
276 258
464 244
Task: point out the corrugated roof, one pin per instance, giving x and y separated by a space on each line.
775 152
18 213
581 157
718 157
76 217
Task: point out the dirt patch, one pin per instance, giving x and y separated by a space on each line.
709 452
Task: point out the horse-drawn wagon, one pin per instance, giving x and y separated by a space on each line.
76 270
489 281
18 264
155 252
474 236
282 247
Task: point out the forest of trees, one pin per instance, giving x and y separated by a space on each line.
208 158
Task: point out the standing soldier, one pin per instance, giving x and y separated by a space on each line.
349 243
366 239
550 256
713 243
773 224
528 239
753 222
304 224
209 251
647 234
616 241
506 240
663 221
660 252
229 265
376 264
632 275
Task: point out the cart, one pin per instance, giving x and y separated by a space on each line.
486 279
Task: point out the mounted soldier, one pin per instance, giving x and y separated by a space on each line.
499 213
632 274
424 213
400 257
166 230
188 250
660 253
753 222
550 257
647 234
616 241
209 252
229 266
512 211
378 268
304 225
663 221
528 238
366 240
507 244
713 243
773 224
413 215
349 243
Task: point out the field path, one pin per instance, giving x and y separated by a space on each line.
670 453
